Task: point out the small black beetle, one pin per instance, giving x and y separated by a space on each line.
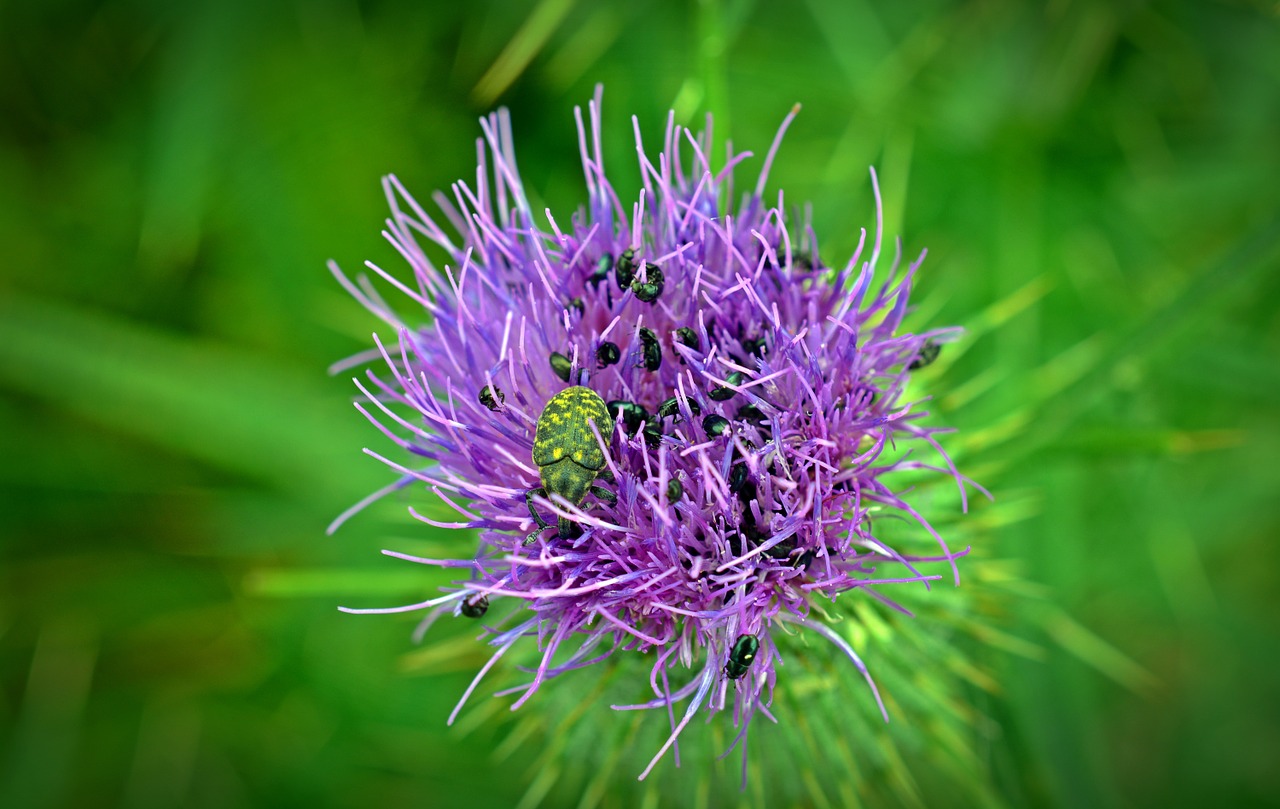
475 605
650 350
720 393
607 354
561 365
715 425
492 398
928 353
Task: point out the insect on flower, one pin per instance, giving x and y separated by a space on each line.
928 353
475 605
741 474
567 452
740 656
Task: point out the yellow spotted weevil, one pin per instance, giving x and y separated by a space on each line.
567 454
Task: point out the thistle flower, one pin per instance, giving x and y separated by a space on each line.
735 411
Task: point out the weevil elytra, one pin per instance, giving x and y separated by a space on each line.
740 656
567 454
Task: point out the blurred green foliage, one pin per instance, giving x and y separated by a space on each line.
1098 185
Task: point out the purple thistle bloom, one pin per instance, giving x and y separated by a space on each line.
757 400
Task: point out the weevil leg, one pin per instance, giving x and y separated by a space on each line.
565 526
532 538
542 524
528 501
605 495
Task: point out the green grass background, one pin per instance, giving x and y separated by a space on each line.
173 176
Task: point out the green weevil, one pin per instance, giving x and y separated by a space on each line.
740 656
567 454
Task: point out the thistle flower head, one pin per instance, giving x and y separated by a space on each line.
754 413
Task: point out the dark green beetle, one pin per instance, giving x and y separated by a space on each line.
715 425
625 270
756 347
649 290
633 415
722 394
686 337
561 365
475 605
567 454
608 354
928 353
671 407
801 260
601 272
740 656
650 350
752 415
675 490
487 397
